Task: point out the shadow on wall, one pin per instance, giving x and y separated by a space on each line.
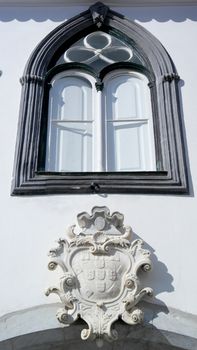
159 279
61 13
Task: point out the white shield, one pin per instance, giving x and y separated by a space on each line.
100 276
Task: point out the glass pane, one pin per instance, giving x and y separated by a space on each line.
64 92
78 54
99 49
126 146
120 54
69 138
128 96
130 138
70 147
98 40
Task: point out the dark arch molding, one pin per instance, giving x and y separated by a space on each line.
171 174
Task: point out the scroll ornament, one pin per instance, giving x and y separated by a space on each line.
100 281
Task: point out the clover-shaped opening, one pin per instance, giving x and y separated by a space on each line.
99 49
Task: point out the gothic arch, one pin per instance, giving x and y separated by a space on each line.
171 174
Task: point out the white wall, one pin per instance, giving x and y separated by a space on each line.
30 225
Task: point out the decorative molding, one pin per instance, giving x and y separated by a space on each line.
100 281
170 77
99 85
151 84
31 79
99 13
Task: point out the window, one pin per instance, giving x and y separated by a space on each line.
99 112
110 128
70 122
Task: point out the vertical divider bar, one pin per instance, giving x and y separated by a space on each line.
98 142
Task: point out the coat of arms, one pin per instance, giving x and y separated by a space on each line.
100 267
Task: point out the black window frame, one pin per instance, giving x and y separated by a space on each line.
29 176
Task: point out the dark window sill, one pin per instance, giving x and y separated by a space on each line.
157 182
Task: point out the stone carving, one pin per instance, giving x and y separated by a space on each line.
170 77
31 78
100 280
99 13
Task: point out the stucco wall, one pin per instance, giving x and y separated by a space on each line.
30 225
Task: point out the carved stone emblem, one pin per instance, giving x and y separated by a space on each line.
100 280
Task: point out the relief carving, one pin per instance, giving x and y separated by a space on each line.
100 280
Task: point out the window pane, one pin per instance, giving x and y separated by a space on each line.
70 98
130 140
69 139
70 147
128 96
126 151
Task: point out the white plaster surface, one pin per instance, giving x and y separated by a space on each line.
30 225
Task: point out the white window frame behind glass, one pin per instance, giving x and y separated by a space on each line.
143 118
101 153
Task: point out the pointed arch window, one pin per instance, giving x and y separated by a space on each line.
104 112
